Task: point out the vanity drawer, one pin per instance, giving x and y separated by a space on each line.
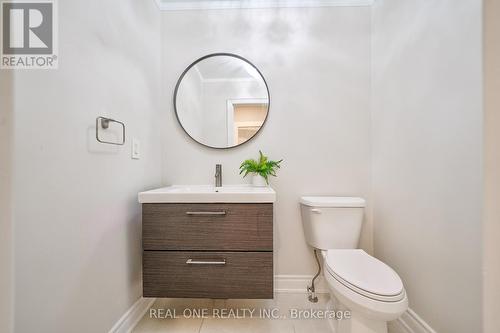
208 227
208 274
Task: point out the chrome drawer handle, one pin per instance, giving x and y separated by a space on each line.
205 262
206 213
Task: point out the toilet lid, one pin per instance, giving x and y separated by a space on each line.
364 274
334 202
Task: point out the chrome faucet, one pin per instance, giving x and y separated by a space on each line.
218 175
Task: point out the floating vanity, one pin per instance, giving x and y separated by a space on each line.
207 242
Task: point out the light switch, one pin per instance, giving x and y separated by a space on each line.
136 149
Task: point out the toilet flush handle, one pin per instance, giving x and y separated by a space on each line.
316 210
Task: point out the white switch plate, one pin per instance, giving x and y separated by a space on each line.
136 149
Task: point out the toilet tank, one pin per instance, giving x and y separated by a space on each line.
332 222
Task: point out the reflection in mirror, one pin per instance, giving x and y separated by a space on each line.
221 101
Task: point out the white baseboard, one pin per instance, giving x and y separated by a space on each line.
298 284
133 315
410 322
398 326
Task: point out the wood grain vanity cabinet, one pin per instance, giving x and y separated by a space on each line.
207 250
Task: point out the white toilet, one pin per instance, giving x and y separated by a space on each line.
368 288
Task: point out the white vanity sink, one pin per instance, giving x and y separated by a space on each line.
209 194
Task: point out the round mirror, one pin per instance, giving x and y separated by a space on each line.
221 100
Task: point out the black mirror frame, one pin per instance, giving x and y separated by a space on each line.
210 56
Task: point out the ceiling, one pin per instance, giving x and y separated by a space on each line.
226 68
234 4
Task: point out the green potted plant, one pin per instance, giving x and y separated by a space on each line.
260 169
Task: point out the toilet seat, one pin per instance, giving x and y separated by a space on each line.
364 275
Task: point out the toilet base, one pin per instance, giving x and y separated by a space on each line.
357 323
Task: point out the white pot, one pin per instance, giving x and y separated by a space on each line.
258 180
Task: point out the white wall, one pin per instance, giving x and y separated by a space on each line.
6 123
77 220
491 228
427 153
316 62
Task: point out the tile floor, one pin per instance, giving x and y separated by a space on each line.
283 302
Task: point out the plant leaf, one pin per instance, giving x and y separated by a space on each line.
263 167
